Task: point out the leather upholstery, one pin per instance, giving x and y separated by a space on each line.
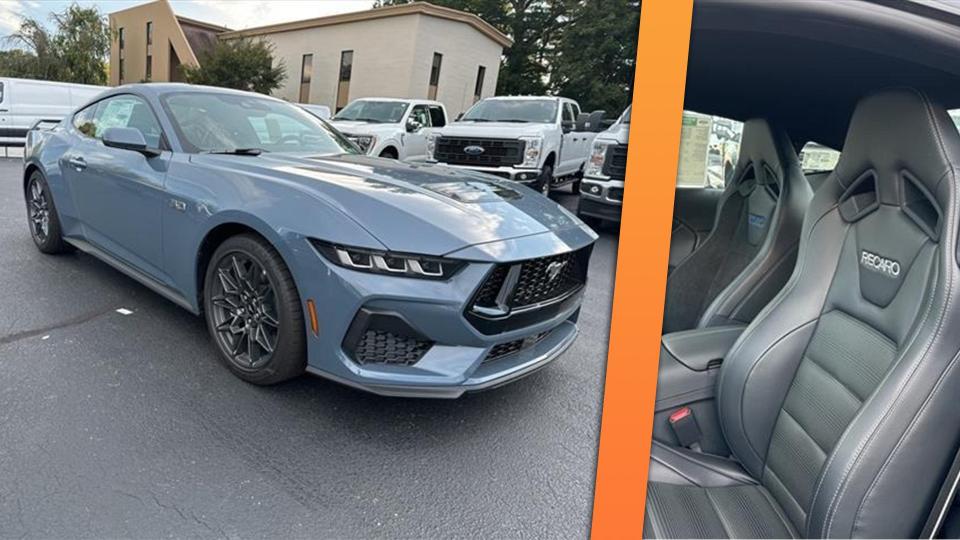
839 398
750 252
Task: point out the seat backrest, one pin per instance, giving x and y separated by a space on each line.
750 252
840 395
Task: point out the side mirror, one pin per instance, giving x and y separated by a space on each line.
413 126
567 126
597 122
583 122
126 138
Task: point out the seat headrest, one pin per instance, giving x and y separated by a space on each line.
766 151
903 143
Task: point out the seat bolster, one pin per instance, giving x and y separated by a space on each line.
680 466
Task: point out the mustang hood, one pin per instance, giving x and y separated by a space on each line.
416 208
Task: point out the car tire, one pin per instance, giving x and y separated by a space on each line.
545 182
253 311
389 153
42 216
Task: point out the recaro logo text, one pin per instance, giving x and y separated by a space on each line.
880 264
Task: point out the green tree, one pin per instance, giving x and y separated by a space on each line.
243 64
76 50
594 61
535 26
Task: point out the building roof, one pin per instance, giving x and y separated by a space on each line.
214 27
422 8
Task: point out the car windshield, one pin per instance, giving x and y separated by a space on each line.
374 112
227 122
542 111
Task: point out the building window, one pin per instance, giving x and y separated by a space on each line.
149 69
306 73
434 76
120 70
120 38
343 87
478 88
149 32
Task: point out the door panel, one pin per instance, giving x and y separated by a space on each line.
694 211
415 144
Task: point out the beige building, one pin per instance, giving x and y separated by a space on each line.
415 50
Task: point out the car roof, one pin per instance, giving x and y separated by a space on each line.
400 100
807 64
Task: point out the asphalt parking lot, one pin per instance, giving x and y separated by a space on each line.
127 425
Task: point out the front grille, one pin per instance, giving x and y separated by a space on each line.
615 163
496 152
501 350
536 280
535 284
383 347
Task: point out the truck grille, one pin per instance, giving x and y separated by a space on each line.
615 164
496 152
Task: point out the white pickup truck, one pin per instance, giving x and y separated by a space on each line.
540 141
601 195
391 128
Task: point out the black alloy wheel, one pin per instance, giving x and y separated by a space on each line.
253 312
42 216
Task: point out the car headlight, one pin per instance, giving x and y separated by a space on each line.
597 158
431 146
531 152
365 142
387 263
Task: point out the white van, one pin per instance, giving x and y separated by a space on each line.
23 102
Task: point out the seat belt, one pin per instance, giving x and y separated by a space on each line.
948 492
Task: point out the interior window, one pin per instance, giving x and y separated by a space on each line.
709 148
815 157
127 111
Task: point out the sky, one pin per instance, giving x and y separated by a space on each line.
235 14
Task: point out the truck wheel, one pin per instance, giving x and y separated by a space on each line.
575 186
389 153
546 179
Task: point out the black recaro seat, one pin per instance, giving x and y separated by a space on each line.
750 253
839 402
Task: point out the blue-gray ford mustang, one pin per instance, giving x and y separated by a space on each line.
301 253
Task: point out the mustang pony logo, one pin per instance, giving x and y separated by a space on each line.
878 263
553 270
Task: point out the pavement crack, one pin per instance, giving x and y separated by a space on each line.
74 321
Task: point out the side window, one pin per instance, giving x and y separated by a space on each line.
568 113
127 111
709 149
816 158
83 121
421 115
437 117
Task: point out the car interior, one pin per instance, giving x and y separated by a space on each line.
808 367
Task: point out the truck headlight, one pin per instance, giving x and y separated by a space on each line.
387 263
531 152
431 146
597 157
365 142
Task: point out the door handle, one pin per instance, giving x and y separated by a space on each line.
77 162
